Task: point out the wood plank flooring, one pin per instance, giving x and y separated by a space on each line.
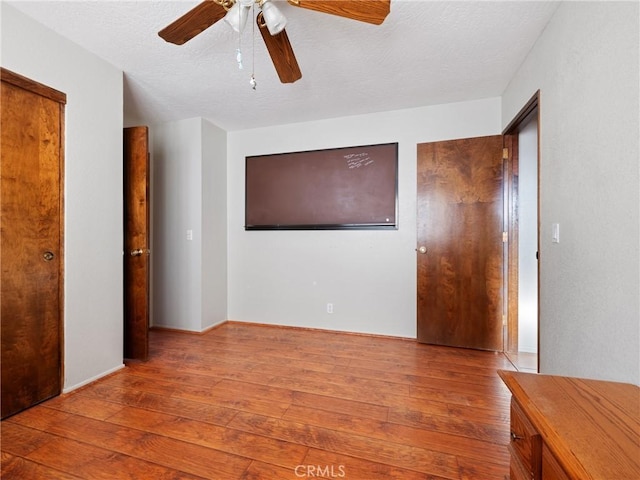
254 402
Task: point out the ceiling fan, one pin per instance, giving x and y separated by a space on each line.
271 24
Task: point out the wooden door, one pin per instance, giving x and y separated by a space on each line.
136 243
31 244
460 249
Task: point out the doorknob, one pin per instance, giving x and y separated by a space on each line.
136 253
422 249
48 256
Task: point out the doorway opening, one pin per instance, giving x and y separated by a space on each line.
522 224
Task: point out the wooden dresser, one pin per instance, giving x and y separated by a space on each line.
573 429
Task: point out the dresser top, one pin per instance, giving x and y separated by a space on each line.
591 426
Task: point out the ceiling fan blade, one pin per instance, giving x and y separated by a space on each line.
195 21
281 53
370 11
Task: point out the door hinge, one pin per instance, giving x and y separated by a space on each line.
505 153
505 237
504 320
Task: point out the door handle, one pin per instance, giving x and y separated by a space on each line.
48 256
136 253
421 249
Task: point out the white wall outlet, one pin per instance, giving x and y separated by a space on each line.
329 307
189 234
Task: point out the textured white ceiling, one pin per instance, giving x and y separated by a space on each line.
425 53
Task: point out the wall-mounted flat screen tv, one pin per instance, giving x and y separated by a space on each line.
334 189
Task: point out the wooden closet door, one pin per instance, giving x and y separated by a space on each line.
31 242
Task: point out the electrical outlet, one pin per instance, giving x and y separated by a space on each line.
329 307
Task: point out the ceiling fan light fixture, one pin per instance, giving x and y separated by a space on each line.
237 15
273 17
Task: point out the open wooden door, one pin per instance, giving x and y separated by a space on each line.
136 243
460 243
32 118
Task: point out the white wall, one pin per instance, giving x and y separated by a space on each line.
93 307
176 155
288 277
188 160
586 66
214 225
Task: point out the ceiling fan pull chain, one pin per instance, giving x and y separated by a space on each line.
252 80
239 49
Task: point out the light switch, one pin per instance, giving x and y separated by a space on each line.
189 234
555 233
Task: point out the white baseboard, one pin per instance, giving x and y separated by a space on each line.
92 379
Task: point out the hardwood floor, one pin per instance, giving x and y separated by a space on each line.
255 402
